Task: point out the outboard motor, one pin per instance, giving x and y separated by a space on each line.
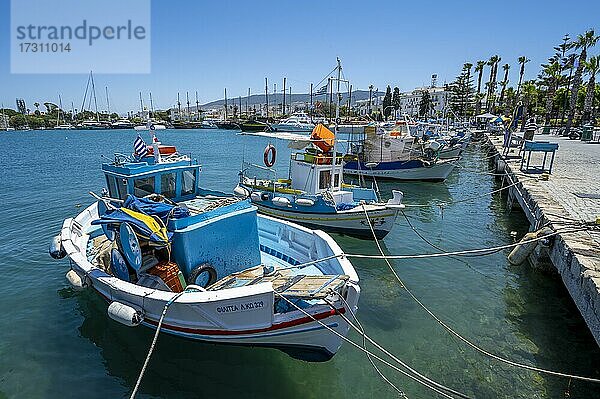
430 148
56 249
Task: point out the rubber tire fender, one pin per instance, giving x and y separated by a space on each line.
204 267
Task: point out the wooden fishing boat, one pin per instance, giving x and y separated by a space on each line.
155 242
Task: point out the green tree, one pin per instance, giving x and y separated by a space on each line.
396 100
592 67
387 103
461 93
522 61
479 69
583 42
491 86
18 121
530 94
550 77
505 68
425 105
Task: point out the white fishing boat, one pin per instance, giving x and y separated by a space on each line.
297 122
156 244
398 155
313 194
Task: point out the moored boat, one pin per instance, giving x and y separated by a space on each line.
156 244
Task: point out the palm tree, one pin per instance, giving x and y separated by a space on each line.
505 68
583 42
479 70
529 94
467 95
551 73
522 61
493 63
592 67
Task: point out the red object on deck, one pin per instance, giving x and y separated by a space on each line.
163 149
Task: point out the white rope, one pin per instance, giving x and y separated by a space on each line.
465 340
388 353
354 344
152 346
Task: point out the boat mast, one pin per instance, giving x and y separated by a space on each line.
178 107
310 109
247 102
337 118
151 105
141 105
59 108
197 106
95 100
107 101
267 96
187 96
226 117
283 108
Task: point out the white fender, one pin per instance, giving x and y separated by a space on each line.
305 202
281 201
256 196
76 280
125 314
240 191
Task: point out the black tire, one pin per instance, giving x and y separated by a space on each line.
197 271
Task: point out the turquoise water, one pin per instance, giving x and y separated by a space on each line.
58 343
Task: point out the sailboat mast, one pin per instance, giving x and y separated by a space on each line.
187 96
226 105
267 96
107 101
197 105
283 108
59 108
178 107
151 104
247 100
95 100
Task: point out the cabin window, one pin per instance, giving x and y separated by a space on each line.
143 186
122 187
167 185
324 179
112 187
188 182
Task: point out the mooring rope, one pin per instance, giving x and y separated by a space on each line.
357 346
446 203
153 345
459 336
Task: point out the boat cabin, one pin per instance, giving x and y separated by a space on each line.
312 172
176 179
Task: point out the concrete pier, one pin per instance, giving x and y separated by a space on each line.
571 194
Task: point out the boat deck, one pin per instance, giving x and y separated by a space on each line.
285 282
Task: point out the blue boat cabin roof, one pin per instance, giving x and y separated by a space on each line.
176 180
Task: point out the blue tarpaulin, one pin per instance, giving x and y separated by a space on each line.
152 208
144 226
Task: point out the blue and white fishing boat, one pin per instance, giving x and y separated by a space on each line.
399 155
154 241
313 194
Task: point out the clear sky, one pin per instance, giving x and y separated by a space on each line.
208 45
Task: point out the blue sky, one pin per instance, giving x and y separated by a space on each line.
208 45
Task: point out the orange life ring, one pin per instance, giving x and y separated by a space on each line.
269 155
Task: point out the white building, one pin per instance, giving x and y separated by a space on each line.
409 101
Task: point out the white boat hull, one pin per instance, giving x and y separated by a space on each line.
242 315
436 172
352 222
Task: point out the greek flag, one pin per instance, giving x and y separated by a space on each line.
322 89
139 147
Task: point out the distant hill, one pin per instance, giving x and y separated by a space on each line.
256 99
